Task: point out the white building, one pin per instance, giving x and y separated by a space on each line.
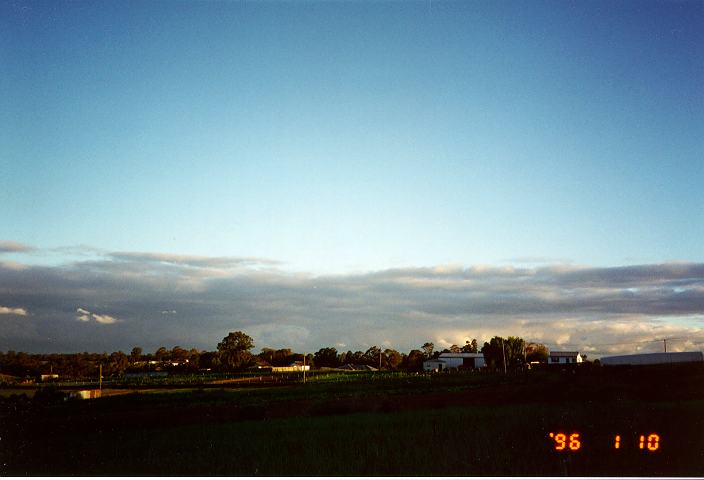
294 367
654 358
563 358
455 361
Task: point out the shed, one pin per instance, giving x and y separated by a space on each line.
466 361
662 358
434 365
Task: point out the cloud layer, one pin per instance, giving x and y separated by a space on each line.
7 246
597 310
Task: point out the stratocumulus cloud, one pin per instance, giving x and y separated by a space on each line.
8 246
85 316
13 311
598 310
189 260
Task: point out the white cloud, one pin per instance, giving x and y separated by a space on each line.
86 316
104 319
13 311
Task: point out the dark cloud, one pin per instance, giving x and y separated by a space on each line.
8 246
136 297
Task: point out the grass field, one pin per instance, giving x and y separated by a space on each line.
374 426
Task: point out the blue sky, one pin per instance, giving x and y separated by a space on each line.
354 137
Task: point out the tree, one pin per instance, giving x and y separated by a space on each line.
393 358
372 356
234 350
536 352
118 363
326 357
427 348
414 360
179 354
193 359
136 354
515 352
504 353
455 349
471 347
160 354
209 360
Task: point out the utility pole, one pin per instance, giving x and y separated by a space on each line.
304 368
664 341
503 350
100 381
380 360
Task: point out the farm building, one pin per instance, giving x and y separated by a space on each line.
294 367
654 358
357 368
447 361
563 358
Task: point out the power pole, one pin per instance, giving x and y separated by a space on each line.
503 350
380 360
664 341
100 381
304 368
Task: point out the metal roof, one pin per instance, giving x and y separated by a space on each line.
461 355
653 358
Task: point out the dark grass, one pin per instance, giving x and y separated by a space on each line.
328 437
506 440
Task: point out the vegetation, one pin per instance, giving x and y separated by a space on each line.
235 350
376 424
233 354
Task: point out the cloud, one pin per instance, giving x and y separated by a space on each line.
194 261
86 316
537 260
13 311
8 246
565 306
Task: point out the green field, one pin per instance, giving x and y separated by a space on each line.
372 425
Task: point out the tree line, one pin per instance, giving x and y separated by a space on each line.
234 353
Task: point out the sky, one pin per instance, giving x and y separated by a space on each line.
351 174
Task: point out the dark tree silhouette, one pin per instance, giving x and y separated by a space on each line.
234 350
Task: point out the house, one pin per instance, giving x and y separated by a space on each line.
455 361
654 358
294 367
48 377
564 358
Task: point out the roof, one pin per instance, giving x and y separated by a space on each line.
461 355
564 354
653 358
357 368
